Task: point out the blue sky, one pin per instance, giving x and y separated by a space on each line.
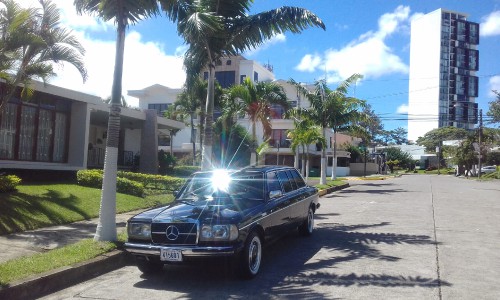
367 37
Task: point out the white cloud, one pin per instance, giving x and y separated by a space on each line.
402 109
309 63
368 55
494 85
145 63
277 39
491 24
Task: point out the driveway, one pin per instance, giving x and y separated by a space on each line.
414 237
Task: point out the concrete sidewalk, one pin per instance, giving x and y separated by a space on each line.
41 240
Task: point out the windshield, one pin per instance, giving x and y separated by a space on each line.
203 186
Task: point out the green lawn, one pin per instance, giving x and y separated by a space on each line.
39 205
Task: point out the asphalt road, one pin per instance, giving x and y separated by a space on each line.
414 237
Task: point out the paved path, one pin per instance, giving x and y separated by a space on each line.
414 237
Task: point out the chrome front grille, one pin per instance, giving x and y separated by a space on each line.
174 233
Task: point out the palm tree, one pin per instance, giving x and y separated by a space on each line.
31 41
189 102
124 13
217 28
343 112
256 101
304 135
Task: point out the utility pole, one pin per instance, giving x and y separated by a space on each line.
480 137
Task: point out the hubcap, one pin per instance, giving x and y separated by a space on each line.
310 221
254 255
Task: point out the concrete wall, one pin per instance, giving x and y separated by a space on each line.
357 169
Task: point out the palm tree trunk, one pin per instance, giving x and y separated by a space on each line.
253 155
323 160
334 163
206 158
106 227
307 165
193 138
304 159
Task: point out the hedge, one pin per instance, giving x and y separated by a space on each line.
185 171
8 183
93 178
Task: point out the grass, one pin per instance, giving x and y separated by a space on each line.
28 266
330 183
34 206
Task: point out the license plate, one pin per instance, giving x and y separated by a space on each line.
170 255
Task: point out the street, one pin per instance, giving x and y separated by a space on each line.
413 237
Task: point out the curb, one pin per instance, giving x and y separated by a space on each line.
333 189
55 280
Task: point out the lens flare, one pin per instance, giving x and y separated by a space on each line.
221 180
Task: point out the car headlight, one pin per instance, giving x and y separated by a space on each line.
139 231
219 233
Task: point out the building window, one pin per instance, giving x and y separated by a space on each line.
36 131
277 111
205 76
160 108
225 78
255 77
228 62
279 138
242 78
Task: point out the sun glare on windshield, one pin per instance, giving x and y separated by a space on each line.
221 180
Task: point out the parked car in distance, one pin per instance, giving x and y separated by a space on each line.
488 169
223 213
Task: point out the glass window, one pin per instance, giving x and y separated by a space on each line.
255 76
292 180
27 133
60 137
298 179
8 123
272 182
285 181
44 136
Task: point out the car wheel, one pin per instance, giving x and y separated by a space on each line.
306 228
251 256
148 265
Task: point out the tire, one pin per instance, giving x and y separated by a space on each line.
148 265
306 228
251 257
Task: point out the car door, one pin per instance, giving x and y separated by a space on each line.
287 214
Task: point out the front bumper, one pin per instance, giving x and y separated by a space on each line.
187 251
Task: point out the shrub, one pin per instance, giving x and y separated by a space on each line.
130 187
185 171
154 181
90 178
8 183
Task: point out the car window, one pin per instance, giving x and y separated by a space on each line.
247 185
298 179
284 181
272 182
292 180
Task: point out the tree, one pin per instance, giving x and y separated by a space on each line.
124 13
397 157
399 136
330 109
435 137
31 41
372 123
304 135
494 109
189 103
256 100
217 28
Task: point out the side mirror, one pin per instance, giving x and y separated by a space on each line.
275 194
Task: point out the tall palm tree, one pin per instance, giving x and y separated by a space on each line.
344 112
124 13
304 135
256 101
217 28
330 109
189 102
31 41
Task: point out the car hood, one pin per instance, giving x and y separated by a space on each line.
205 211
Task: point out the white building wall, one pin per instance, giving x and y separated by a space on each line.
425 51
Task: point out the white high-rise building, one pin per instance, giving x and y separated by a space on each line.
443 63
